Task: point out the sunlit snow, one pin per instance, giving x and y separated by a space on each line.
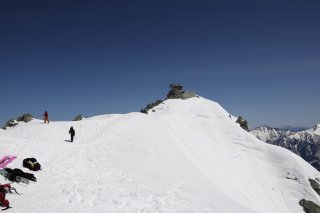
186 156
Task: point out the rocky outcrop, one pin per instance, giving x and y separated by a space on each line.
188 94
13 122
10 123
315 185
309 206
176 92
150 106
78 118
25 117
243 123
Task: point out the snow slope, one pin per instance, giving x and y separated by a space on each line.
187 156
305 143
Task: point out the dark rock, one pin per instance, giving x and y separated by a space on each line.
176 86
309 206
243 123
10 123
78 118
315 185
150 106
188 94
25 117
175 91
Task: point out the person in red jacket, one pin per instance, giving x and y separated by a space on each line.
46 117
3 190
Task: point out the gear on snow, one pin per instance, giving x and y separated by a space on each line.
32 164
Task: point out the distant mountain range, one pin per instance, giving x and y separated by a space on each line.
304 142
293 128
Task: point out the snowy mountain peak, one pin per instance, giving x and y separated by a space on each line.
266 133
184 156
263 128
190 107
316 129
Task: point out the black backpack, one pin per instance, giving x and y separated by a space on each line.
14 173
32 164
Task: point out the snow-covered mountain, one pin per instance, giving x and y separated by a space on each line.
184 156
305 143
293 128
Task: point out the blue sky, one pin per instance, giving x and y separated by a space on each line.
258 59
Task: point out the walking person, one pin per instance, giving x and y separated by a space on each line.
46 117
72 133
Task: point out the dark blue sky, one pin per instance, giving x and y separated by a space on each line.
258 59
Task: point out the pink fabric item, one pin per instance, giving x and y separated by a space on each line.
2 160
6 160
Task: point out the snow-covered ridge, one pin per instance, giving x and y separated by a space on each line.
185 156
316 129
266 133
305 143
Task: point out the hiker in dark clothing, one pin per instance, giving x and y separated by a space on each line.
72 133
46 117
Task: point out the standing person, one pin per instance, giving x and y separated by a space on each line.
72 133
46 116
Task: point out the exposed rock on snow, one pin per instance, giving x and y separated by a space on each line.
25 117
243 123
176 92
10 123
188 94
14 122
150 106
309 206
78 118
315 185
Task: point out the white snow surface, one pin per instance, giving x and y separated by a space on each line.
187 156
